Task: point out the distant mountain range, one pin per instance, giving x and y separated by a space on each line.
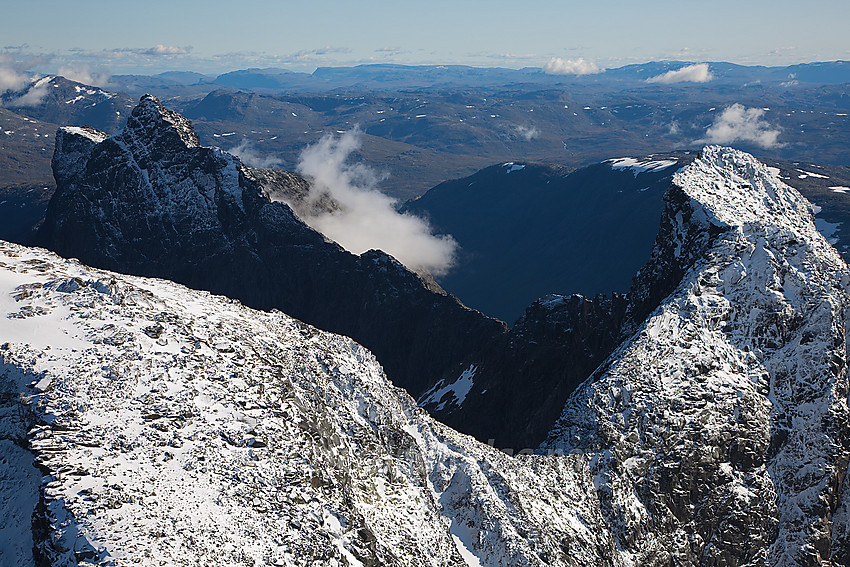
419 136
393 76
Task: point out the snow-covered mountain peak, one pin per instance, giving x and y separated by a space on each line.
719 429
734 188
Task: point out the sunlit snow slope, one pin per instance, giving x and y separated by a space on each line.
718 434
171 426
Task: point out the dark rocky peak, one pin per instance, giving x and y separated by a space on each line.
152 124
153 202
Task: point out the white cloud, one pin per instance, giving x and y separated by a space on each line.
698 73
739 123
13 77
33 97
245 151
527 132
368 218
160 49
84 74
580 66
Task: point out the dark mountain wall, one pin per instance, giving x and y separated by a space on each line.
528 230
153 202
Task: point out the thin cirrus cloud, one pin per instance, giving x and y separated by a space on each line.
698 73
738 123
580 66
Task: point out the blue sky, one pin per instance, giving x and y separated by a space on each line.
216 36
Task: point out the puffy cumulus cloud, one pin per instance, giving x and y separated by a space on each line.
580 66
699 73
160 50
252 158
738 123
367 218
527 132
13 76
84 74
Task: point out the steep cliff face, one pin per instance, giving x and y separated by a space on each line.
512 392
172 427
152 202
718 433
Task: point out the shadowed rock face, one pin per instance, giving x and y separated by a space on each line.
151 201
523 379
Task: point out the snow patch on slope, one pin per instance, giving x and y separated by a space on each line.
457 389
641 166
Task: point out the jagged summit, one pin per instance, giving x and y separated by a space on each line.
151 201
150 116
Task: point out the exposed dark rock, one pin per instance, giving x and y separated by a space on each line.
153 202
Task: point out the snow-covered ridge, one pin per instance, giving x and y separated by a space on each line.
641 165
87 132
718 432
737 189
174 427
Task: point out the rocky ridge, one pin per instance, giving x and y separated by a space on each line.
171 426
152 201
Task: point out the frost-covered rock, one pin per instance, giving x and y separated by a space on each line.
174 427
718 433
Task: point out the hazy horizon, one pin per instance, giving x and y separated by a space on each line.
217 36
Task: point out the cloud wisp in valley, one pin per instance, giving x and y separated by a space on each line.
367 218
